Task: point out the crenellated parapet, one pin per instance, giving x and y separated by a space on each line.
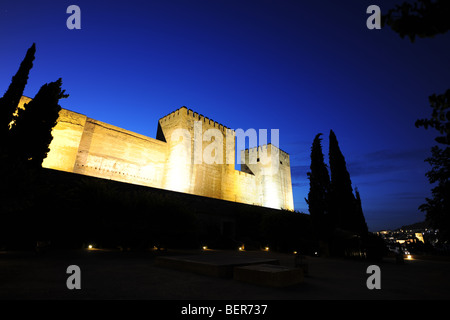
253 153
189 114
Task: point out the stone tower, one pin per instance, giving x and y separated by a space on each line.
272 170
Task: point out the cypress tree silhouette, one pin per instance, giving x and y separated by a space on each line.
12 174
31 131
363 229
318 196
342 200
11 98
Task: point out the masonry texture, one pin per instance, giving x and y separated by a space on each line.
174 160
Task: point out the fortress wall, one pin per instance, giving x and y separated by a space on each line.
286 181
208 176
66 139
110 152
87 146
230 177
273 176
178 168
23 100
188 170
245 188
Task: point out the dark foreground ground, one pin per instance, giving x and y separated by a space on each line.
133 275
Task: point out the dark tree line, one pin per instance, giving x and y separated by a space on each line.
426 19
25 136
423 18
336 211
437 207
26 133
11 98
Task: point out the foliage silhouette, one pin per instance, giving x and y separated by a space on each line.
423 19
319 191
437 208
30 135
25 137
11 98
345 212
427 19
336 213
361 221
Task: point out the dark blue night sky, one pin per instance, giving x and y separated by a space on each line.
303 68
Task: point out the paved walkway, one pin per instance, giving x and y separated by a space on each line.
128 275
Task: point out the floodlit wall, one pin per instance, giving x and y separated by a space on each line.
186 156
66 140
110 152
197 161
67 134
272 170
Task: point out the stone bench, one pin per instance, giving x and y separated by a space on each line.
211 265
269 275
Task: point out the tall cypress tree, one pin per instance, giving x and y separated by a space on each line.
342 198
11 98
319 182
363 229
31 131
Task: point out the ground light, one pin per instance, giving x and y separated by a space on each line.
241 248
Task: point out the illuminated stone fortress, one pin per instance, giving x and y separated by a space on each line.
173 161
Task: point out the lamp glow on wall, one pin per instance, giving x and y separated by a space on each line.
178 178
